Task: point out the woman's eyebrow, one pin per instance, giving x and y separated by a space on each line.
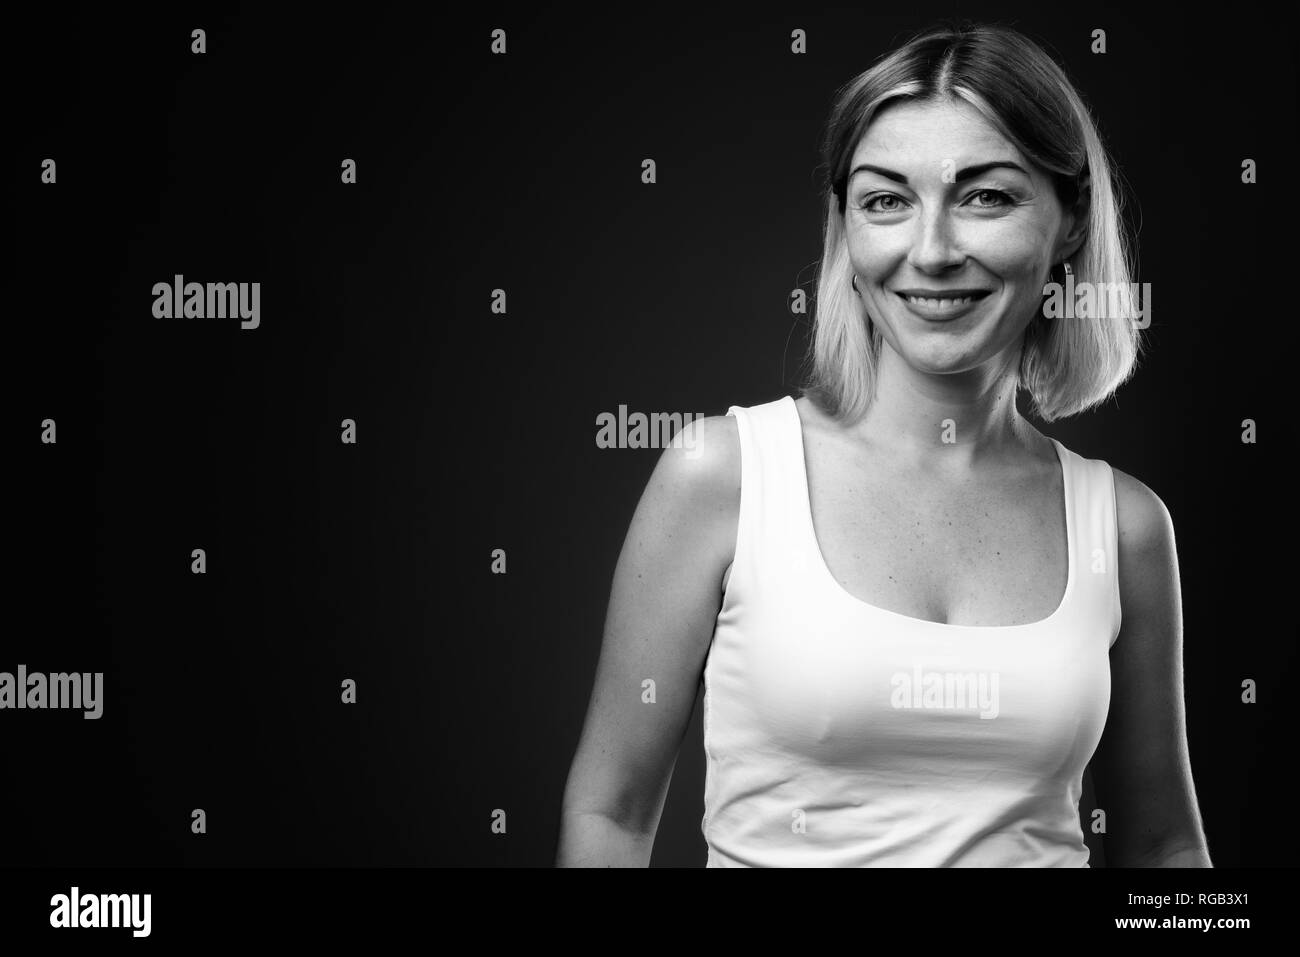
965 173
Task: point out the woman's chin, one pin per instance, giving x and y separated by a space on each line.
941 359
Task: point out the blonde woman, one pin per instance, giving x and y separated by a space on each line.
914 614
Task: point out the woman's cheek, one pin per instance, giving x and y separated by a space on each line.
878 252
1011 247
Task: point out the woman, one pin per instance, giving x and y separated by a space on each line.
913 613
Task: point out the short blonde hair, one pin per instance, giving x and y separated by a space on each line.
1066 366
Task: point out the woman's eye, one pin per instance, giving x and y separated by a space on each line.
869 204
981 199
997 194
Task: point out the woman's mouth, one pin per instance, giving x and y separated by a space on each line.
936 304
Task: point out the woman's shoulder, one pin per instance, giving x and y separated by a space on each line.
1144 532
1148 574
1139 511
701 466
707 450
1141 516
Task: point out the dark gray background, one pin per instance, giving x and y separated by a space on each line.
476 431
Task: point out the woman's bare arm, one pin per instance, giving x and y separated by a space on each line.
666 594
1142 770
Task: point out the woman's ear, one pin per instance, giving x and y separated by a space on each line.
1075 225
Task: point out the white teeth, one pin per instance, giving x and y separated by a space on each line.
939 303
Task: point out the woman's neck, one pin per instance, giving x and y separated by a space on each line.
957 421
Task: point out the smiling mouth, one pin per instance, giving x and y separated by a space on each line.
943 302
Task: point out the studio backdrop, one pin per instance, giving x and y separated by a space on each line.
320 321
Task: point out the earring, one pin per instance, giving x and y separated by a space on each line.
1069 270
853 281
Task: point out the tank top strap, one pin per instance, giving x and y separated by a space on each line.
1095 551
768 528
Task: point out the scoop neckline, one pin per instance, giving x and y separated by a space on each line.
824 570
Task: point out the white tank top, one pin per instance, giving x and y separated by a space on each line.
839 734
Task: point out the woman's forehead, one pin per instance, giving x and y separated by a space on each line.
925 133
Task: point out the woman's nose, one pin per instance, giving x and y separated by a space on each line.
934 247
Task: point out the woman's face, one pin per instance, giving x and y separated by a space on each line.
939 202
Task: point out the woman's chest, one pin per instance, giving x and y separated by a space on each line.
976 552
